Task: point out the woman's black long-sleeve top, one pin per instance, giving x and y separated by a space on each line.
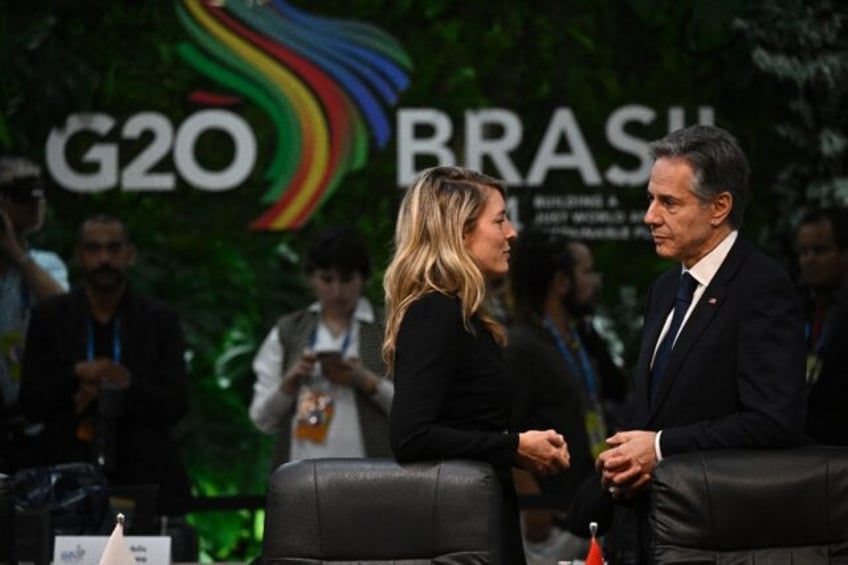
451 388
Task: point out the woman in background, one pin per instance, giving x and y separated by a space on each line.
443 349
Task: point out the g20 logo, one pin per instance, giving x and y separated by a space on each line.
143 171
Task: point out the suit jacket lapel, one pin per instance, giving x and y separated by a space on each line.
664 297
699 320
661 301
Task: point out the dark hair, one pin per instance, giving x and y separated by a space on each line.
340 248
717 161
537 257
838 218
104 219
20 179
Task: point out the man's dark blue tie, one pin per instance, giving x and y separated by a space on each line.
682 298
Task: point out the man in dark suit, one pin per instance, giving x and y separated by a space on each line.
104 370
734 376
564 378
822 245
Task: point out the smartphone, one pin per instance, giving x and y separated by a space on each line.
329 356
331 361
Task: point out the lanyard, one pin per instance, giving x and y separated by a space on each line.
587 372
116 340
823 335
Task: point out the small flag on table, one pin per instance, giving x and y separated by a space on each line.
595 555
116 551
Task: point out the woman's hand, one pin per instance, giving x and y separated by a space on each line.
543 452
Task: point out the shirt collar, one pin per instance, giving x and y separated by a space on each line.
363 312
704 270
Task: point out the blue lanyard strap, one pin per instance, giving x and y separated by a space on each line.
116 340
824 334
585 368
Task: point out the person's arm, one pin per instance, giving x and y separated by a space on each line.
353 373
380 390
40 281
371 379
158 389
430 344
433 346
385 394
43 273
271 397
48 383
53 380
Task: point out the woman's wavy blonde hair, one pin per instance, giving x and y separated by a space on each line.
441 206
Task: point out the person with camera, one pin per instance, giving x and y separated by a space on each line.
27 276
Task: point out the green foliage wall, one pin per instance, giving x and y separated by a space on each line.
229 284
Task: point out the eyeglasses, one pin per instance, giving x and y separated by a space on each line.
22 192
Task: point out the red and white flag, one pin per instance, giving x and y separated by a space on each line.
595 555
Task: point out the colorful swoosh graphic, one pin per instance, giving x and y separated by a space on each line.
325 84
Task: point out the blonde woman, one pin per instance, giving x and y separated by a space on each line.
443 349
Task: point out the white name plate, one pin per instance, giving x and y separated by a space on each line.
87 550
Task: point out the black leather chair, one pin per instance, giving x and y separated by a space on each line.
752 507
375 511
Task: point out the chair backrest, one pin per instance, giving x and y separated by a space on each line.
764 507
376 511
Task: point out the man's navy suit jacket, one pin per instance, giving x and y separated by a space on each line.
736 375
735 378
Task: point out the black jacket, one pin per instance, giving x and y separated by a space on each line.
151 348
827 406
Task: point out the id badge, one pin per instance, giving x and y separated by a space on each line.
596 431
85 430
813 368
315 410
12 350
